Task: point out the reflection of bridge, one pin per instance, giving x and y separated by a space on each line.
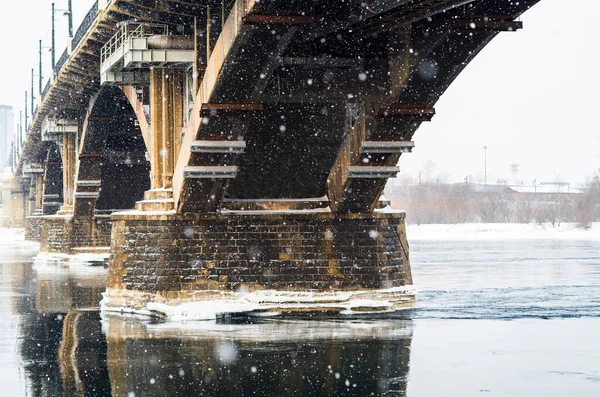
212 118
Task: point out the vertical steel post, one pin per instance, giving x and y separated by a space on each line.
70 11
26 114
485 167
40 70
32 93
53 43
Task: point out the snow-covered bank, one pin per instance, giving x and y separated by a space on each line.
502 231
15 238
8 235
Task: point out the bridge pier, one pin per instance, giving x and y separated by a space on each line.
67 234
18 207
312 261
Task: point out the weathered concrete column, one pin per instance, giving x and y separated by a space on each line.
166 110
33 221
18 207
68 160
31 199
39 192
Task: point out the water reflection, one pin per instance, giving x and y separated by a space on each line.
272 358
82 356
62 349
65 348
62 287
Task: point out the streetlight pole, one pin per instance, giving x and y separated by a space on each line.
53 44
70 12
32 84
485 167
40 66
20 133
26 113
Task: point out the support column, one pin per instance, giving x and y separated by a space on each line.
68 160
166 107
39 191
18 198
167 125
156 120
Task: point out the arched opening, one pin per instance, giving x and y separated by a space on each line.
52 197
113 170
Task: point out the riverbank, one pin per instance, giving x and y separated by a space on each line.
502 231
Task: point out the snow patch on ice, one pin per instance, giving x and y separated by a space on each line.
85 262
16 237
346 302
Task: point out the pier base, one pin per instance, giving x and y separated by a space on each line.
196 266
33 227
65 234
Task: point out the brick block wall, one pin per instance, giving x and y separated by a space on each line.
33 228
321 252
55 234
60 234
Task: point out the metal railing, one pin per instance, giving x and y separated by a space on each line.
81 31
85 25
128 31
46 88
61 61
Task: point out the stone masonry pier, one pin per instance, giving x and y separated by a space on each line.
68 235
33 227
274 261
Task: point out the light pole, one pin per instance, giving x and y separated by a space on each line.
32 85
69 12
53 44
40 70
485 167
26 114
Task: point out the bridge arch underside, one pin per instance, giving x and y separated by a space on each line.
113 172
52 197
372 84
321 107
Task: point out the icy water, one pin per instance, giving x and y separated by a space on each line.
508 318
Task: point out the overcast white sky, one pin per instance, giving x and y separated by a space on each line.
530 96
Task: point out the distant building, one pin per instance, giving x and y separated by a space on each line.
6 135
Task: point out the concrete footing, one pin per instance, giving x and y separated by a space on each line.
66 234
195 266
33 227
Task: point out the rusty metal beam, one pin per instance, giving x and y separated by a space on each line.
278 19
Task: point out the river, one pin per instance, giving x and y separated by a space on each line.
493 317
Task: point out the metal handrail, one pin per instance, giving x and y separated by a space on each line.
46 88
128 31
81 31
61 61
85 24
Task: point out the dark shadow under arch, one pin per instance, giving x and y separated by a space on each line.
113 170
52 197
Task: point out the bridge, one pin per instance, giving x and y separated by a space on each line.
220 149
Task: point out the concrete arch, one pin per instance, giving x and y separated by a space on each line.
112 169
52 197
